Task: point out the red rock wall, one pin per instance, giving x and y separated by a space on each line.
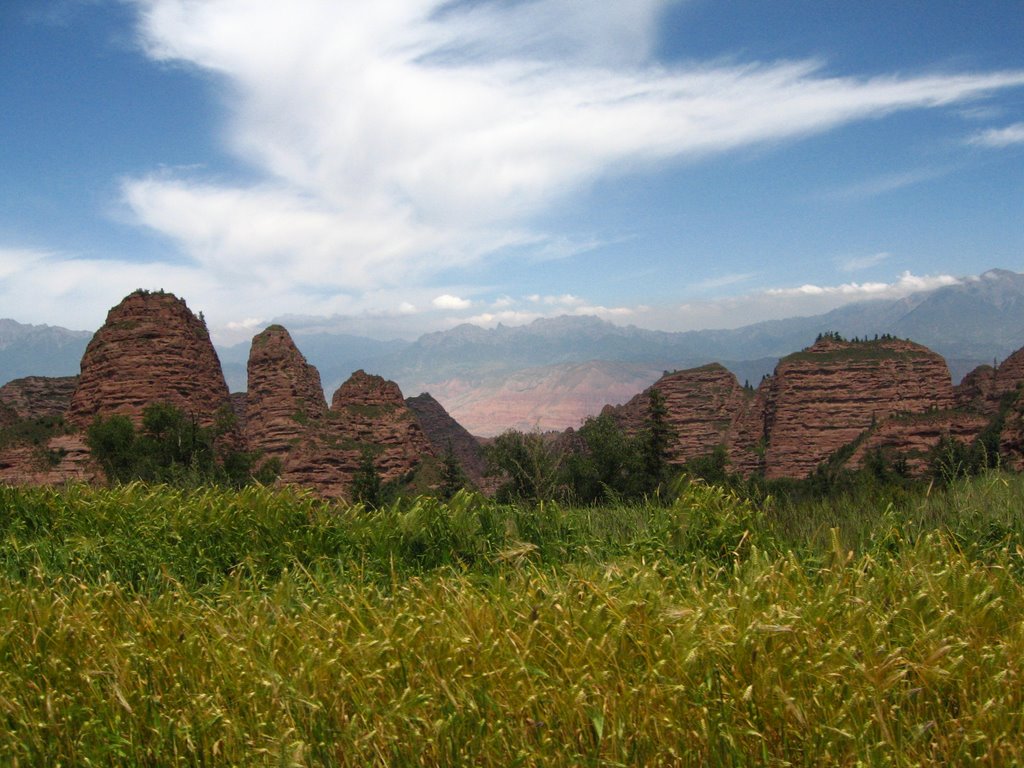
823 398
151 349
284 394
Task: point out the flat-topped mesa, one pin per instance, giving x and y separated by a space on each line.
151 349
824 397
35 397
704 408
284 394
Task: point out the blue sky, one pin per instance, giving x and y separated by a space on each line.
397 167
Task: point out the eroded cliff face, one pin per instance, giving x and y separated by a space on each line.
443 431
151 349
706 407
824 397
284 396
913 438
367 413
62 459
36 397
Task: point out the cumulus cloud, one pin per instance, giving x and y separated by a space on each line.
55 288
907 283
447 301
395 141
997 138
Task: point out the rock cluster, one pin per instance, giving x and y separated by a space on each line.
889 396
35 397
818 401
151 349
367 413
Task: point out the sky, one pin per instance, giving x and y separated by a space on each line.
402 166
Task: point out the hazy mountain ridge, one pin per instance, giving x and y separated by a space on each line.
39 350
978 320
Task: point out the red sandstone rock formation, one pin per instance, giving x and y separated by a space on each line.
706 407
913 437
151 349
983 388
284 394
824 397
444 431
367 413
36 397
62 459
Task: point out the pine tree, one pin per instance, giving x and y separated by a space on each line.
453 479
656 437
366 485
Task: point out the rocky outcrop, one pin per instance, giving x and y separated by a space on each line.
911 439
368 413
151 349
706 407
984 388
35 397
824 397
445 433
61 459
284 395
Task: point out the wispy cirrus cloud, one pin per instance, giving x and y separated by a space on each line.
858 263
395 142
997 138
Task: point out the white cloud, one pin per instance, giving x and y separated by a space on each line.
398 140
249 324
858 263
724 281
907 283
997 138
447 301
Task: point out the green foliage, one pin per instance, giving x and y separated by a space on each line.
173 448
157 626
36 432
453 478
654 441
529 467
366 483
608 467
712 468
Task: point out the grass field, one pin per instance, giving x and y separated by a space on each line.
149 626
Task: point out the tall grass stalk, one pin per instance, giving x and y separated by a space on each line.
141 626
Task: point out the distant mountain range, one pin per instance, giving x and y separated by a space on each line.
553 372
39 350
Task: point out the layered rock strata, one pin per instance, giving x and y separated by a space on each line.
368 413
706 407
62 459
36 397
284 396
824 397
912 438
151 349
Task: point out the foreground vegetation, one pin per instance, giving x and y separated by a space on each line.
145 625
